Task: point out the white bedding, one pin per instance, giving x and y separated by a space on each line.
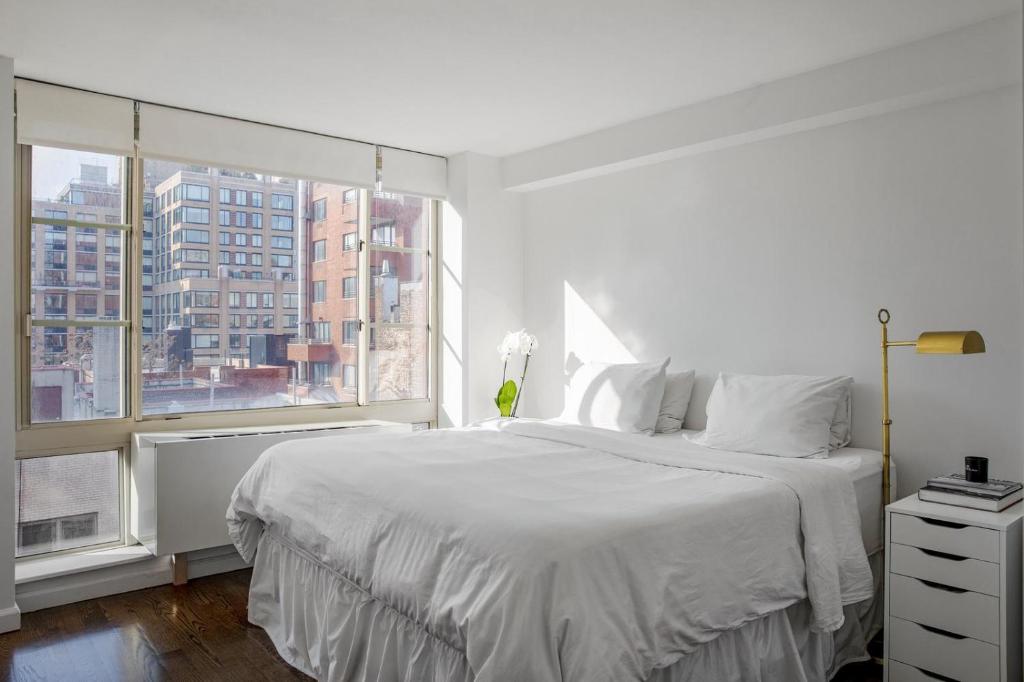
541 552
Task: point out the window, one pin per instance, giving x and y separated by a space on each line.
204 341
75 371
350 332
73 277
197 193
67 502
282 202
196 216
196 236
320 291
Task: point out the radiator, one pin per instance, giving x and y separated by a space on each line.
181 481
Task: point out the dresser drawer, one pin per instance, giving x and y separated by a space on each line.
901 672
968 541
966 660
969 574
964 613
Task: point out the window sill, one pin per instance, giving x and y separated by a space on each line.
31 570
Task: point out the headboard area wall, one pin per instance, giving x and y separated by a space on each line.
773 257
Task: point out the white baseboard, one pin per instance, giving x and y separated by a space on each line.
102 582
10 618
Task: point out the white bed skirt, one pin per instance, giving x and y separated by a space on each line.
332 630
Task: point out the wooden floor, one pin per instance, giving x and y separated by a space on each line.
194 632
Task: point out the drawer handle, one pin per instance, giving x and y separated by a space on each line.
934 676
940 586
944 524
942 555
939 631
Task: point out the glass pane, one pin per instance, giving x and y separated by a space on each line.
399 287
67 501
398 362
76 185
77 371
230 327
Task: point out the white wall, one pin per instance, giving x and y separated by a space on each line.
9 616
481 285
774 256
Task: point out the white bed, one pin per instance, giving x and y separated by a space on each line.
533 551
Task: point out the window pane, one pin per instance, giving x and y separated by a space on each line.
66 181
76 371
67 501
399 297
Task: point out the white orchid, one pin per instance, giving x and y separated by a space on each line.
514 342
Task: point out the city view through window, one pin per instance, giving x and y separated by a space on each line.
250 290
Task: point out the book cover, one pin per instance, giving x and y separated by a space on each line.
972 501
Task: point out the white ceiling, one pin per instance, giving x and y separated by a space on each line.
445 76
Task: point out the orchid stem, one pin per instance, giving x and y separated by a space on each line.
522 380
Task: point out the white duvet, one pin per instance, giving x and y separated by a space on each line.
551 552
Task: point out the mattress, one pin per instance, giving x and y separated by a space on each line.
864 468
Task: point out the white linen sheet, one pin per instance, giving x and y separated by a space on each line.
547 552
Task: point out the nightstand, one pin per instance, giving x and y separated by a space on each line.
952 593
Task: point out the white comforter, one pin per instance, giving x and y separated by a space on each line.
547 552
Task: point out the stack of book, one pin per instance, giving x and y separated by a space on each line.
992 495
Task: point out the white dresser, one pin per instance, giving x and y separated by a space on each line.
952 593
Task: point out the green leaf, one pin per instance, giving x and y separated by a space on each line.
506 397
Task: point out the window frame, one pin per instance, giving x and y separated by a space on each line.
115 433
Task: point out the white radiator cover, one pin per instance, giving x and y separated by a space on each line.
181 481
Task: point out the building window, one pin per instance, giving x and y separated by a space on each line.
256 221
196 236
240 238
240 258
349 285
225 195
319 291
279 260
240 197
282 202
225 238
349 241
224 218
251 299
197 193
268 300
350 332
204 341
240 219
319 209
255 259
281 243
202 299
256 240
196 216
320 250
350 196
281 222
322 331
257 199
348 376
234 299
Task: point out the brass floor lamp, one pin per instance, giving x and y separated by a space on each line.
932 343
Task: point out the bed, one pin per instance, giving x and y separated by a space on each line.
538 551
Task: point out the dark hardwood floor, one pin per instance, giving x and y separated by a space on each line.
195 632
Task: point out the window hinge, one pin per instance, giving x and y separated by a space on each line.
362 245
28 325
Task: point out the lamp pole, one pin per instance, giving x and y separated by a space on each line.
883 317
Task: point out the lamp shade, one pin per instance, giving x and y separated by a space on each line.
950 343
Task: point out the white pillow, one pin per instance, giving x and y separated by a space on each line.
618 397
788 416
678 388
842 422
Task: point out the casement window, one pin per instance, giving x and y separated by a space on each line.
120 291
